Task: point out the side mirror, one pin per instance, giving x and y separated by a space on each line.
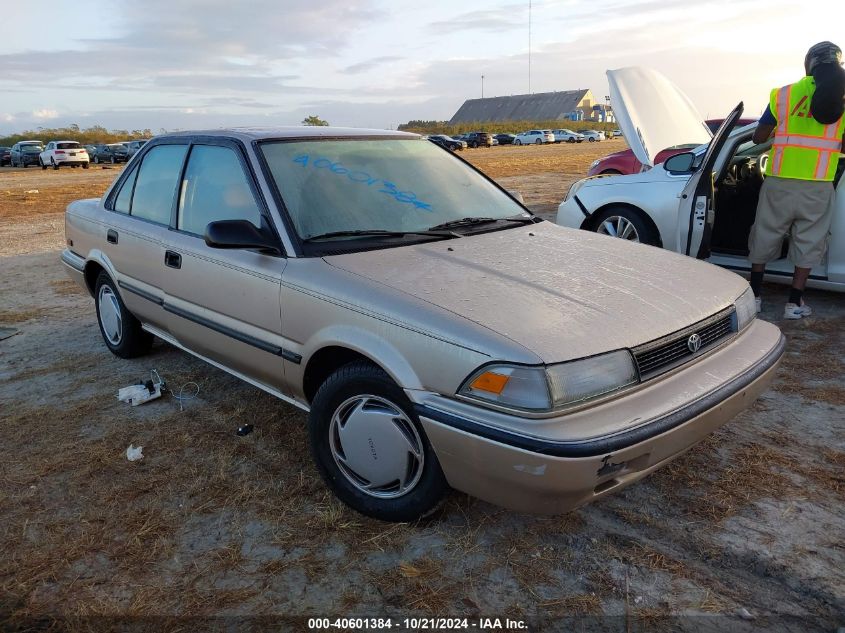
240 234
680 163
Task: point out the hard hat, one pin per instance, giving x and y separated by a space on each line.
822 53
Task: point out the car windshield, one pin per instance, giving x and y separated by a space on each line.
387 184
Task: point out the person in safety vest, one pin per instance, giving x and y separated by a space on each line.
797 195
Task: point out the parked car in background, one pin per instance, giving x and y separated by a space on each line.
68 153
5 156
700 203
534 137
447 142
505 139
614 133
25 153
438 334
593 135
110 153
479 139
625 162
568 136
134 146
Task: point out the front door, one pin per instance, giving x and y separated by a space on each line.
223 304
697 211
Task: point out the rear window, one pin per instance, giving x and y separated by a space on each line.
67 145
31 149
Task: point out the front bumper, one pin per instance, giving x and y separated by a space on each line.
543 474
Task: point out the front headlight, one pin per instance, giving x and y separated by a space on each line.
595 163
746 309
552 387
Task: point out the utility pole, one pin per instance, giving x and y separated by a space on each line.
529 46
482 86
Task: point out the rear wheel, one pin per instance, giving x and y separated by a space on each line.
122 332
539 141
592 139
96 160
626 224
41 162
370 447
84 165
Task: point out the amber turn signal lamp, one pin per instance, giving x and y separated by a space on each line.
490 382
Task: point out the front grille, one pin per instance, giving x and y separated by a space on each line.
663 354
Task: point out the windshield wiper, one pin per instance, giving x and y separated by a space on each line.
471 221
380 233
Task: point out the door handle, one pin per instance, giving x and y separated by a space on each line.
173 260
111 236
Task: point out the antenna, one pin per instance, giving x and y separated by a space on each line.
529 46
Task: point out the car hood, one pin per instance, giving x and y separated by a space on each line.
560 293
653 113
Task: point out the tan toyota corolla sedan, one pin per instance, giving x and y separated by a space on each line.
438 333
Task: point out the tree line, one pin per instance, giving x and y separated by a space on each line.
87 136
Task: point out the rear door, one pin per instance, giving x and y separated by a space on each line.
223 303
697 212
133 236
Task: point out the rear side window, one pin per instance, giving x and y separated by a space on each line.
215 188
155 186
123 202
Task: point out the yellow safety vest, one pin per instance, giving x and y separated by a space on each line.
804 149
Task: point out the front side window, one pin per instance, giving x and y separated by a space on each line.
155 187
215 188
388 184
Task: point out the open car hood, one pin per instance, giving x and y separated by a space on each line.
653 113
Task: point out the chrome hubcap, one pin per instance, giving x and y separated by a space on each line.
376 446
617 226
109 312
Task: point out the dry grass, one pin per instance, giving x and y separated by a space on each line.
509 160
67 287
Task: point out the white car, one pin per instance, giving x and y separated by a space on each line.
58 153
593 135
534 137
567 136
677 205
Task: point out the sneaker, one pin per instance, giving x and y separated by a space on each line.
759 303
792 311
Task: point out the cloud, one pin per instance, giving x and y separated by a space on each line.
204 45
369 64
45 113
506 18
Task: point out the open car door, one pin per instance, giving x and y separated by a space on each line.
697 212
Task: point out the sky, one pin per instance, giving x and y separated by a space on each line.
182 64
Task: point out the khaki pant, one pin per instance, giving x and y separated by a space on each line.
800 209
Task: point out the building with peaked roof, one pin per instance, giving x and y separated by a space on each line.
568 105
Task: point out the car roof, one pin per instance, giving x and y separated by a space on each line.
249 134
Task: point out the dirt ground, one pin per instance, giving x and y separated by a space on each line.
743 533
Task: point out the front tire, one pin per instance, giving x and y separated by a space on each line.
370 447
121 331
627 224
517 142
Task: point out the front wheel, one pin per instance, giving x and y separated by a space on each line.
54 164
517 142
370 447
538 142
121 331
626 224
84 165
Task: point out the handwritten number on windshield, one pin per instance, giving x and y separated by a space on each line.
363 178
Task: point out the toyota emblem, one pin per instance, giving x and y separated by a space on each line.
694 343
